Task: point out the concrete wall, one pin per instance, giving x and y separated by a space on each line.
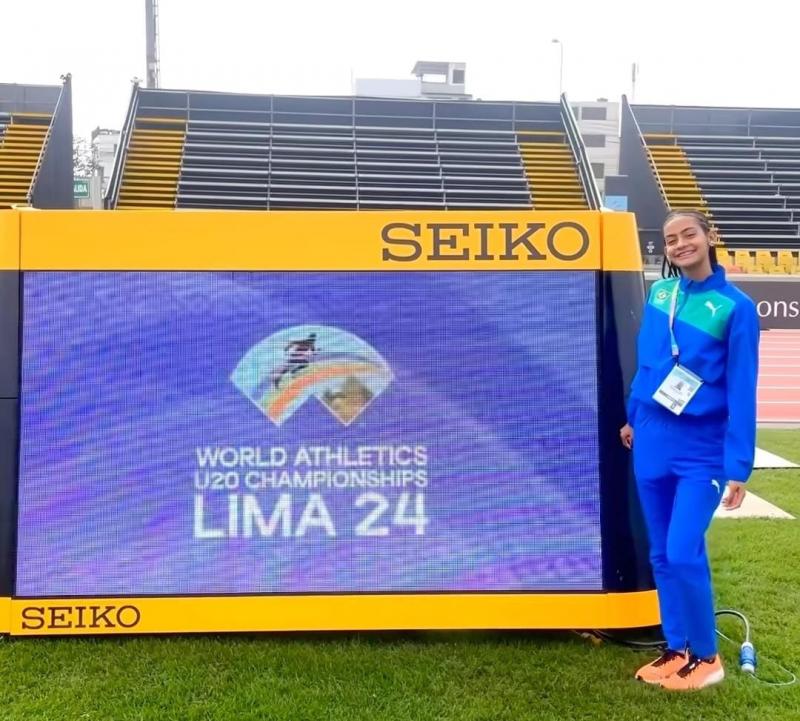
53 185
607 156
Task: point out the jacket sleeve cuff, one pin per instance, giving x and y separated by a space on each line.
738 471
633 406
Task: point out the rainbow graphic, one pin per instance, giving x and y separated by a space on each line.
342 371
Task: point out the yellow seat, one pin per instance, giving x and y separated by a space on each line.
744 260
724 258
787 262
765 262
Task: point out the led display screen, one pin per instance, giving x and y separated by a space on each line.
308 432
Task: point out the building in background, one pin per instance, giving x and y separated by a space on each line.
104 149
104 144
598 123
435 80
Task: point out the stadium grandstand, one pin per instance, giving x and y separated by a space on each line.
36 145
740 166
185 149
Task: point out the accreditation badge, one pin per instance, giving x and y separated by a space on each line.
677 389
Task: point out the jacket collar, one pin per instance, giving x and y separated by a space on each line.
714 281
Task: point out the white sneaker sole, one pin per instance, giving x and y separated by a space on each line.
713 678
710 680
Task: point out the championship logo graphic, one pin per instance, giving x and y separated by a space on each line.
280 373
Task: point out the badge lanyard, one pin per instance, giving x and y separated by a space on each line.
672 306
681 385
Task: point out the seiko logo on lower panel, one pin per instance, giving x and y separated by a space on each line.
90 617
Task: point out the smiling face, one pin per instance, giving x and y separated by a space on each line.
687 245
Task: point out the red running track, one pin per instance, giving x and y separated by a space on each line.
779 377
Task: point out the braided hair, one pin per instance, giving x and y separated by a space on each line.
668 270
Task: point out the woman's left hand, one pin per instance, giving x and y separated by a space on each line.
736 494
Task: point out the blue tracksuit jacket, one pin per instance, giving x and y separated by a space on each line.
717 329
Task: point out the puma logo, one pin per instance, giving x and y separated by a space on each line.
713 308
715 483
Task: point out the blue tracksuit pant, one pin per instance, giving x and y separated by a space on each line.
678 461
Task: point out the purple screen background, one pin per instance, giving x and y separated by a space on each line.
125 374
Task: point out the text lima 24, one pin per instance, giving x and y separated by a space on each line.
246 515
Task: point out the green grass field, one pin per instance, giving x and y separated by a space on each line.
418 676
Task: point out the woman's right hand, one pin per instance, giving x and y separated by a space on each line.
626 436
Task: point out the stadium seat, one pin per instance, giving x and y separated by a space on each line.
724 258
765 262
744 260
788 262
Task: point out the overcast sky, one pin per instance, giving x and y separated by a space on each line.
699 52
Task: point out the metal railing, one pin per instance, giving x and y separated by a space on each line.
578 149
626 107
112 194
737 121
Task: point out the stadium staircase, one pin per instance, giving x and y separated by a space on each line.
670 164
248 152
155 151
22 142
551 171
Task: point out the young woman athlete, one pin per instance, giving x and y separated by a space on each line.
691 424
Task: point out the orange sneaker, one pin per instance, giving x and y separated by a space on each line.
665 665
696 674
